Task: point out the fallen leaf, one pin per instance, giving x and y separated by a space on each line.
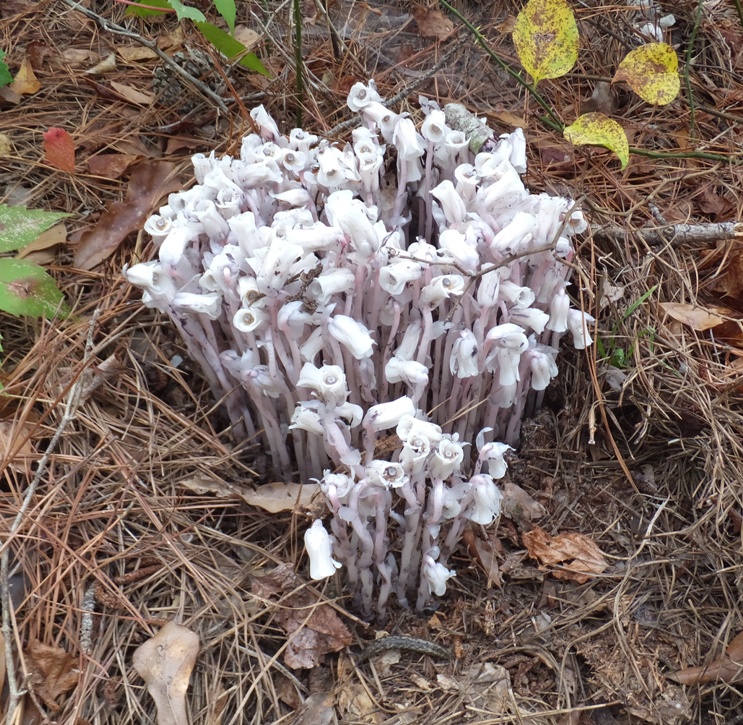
107 65
149 182
78 56
59 150
9 96
134 53
651 71
53 672
518 505
546 38
16 450
45 241
280 496
37 52
138 98
576 557
697 318
510 119
245 35
727 668
5 145
318 709
110 166
596 129
165 663
483 552
25 82
432 22
312 629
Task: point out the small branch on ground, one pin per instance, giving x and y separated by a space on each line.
676 234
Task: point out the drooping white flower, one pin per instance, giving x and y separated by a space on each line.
352 335
442 288
361 95
515 294
394 277
267 126
487 498
384 473
451 203
410 372
307 418
434 128
461 251
327 382
408 141
209 304
319 548
447 458
249 319
387 415
559 310
436 575
492 454
578 325
464 353
409 427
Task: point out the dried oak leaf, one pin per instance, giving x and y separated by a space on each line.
149 182
165 663
727 668
53 672
313 629
432 23
576 556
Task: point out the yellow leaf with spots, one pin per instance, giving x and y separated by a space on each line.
546 38
596 129
651 71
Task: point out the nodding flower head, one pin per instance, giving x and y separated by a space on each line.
320 550
384 473
328 383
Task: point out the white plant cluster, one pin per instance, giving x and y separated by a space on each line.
336 294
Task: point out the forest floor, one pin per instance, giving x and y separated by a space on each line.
140 515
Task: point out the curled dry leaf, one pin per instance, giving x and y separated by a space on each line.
59 150
165 663
728 668
110 166
484 553
149 182
25 82
519 506
313 629
574 555
432 23
16 450
280 496
698 318
53 672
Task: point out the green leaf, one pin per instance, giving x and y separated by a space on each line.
184 12
19 226
5 76
228 46
26 289
596 129
148 12
651 71
546 38
227 9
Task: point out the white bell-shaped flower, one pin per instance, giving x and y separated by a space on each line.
209 305
411 427
327 382
387 415
464 353
442 288
407 140
409 372
394 277
446 459
559 311
361 95
515 294
456 245
267 126
307 418
434 128
530 318
578 325
492 454
487 498
319 547
352 335
452 204
514 237
384 473
436 575
249 319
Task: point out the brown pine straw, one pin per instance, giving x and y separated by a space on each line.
658 490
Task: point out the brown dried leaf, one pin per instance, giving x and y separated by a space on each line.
78 56
432 23
107 65
16 450
110 166
279 496
313 629
317 710
138 98
727 668
149 182
134 53
578 558
483 552
25 82
165 663
519 506
53 672
46 240
698 318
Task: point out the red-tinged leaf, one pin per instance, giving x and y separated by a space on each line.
728 668
149 182
59 150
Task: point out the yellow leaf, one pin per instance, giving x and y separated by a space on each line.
651 71
25 82
596 129
546 38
